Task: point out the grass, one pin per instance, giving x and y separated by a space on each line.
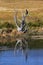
34 17
35 9
24 4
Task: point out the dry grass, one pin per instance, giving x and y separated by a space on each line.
7 10
22 4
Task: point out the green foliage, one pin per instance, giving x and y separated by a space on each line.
35 24
1 26
8 25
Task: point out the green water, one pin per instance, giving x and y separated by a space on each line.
32 44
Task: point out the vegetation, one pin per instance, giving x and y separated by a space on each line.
7 25
34 20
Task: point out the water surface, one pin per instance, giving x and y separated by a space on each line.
33 57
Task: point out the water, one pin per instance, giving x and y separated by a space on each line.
9 57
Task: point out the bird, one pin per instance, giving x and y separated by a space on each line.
23 24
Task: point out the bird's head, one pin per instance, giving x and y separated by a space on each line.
26 12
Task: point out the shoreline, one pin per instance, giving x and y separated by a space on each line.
4 48
32 44
37 37
13 39
7 42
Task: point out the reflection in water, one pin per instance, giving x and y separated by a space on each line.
22 45
22 53
35 57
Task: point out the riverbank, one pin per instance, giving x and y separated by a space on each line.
32 44
4 48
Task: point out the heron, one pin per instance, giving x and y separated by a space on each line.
21 28
22 42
